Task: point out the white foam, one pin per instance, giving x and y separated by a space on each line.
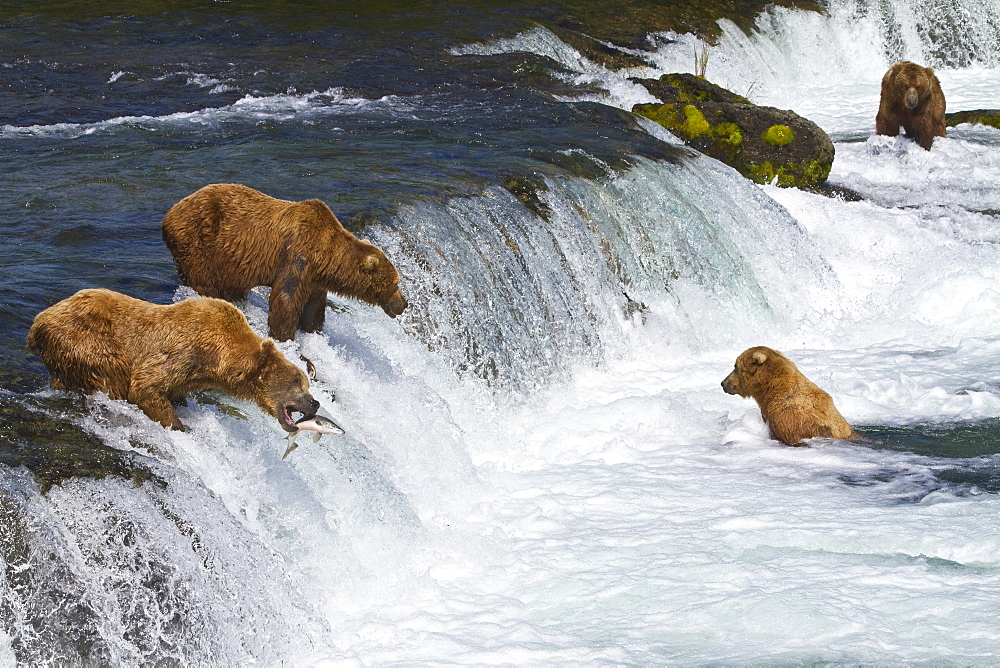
283 107
637 514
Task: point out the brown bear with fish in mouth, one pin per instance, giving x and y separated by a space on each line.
793 407
149 355
911 97
227 238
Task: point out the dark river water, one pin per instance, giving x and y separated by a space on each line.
106 121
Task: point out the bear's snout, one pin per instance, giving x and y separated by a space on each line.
395 305
729 384
911 98
311 406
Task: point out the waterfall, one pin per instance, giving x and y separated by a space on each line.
101 572
518 294
828 66
502 292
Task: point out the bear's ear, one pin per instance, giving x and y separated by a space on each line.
255 365
369 264
759 357
268 351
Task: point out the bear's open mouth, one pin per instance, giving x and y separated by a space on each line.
288 418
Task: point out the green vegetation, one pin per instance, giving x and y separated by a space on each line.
789 174
778 135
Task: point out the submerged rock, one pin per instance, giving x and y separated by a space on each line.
35 434
763 143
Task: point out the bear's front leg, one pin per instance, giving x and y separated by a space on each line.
150 388
157 407
924 129
314 312
282 317
289 295
886 124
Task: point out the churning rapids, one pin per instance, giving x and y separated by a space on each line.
540 466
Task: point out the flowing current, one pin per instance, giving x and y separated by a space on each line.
540 466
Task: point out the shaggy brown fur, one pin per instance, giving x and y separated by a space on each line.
911 97
227 238
150 355
792 406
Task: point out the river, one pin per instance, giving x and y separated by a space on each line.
540 465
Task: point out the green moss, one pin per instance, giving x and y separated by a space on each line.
778 135
695 123
760 172
730 133
685 93
785 179
664 114
789 174
816 172
767 173
725 141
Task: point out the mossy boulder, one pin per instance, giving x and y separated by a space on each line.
982 116
764 144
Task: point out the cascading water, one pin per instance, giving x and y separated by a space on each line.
539 463
518 295
826 66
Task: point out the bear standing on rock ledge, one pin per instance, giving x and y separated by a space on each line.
149 355
911 97
227 238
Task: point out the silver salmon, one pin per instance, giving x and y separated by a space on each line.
317 424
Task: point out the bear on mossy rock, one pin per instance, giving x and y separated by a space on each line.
102 341
911 97
227 238
793 407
